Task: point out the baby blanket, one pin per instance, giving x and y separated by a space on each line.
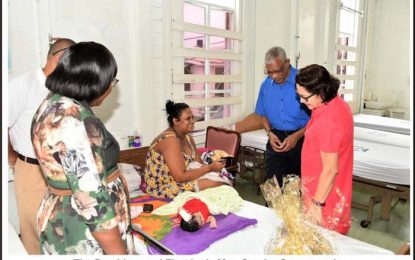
187 243
220 200
155 225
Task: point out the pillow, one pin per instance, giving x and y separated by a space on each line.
134 176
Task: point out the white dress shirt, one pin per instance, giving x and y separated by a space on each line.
26 93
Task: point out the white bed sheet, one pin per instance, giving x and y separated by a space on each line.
372 159
382 137
381 162
388 124
257 139
253 239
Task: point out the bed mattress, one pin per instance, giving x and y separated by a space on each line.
378 155
253 239
257 139
382 137
383 123
382 162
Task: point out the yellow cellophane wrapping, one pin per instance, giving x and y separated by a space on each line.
296 236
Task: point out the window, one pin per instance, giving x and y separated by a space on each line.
206 60
348 68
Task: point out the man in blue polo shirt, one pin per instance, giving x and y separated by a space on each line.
282 115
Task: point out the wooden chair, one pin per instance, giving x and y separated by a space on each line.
226 140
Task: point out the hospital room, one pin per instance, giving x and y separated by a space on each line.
208 128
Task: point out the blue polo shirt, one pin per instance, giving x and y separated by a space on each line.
280 104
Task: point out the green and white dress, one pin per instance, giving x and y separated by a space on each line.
77 154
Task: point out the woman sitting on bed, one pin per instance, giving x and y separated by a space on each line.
171 152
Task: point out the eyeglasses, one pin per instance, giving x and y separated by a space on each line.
306 98
54 53
114 82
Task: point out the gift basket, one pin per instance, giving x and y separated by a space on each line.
296 236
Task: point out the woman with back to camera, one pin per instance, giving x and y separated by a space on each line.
171 152
85 209
327 155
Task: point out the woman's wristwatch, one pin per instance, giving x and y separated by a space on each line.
320 204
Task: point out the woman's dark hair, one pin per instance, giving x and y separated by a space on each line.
191 225
84 72
317 80
174 110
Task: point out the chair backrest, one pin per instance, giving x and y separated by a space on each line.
223 139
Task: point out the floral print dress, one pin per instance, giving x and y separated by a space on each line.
160 182
77 154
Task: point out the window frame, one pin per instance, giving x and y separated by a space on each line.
178 54
359 63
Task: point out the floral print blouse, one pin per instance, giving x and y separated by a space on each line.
160 182
77 154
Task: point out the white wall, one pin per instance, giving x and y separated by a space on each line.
138 34
387 70
114 24
300 27
273 27
122 26
23 37
316 28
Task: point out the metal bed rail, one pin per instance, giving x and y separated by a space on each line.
253 159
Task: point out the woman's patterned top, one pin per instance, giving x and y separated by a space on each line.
160 182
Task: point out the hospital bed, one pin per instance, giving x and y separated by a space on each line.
252 155
241 242
387 124
381 165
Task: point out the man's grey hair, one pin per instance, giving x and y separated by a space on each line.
59 46
275 52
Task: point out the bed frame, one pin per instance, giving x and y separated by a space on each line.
384 193
135 156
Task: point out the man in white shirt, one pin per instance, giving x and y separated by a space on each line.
25 95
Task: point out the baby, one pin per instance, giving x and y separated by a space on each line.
194 214
208 157
214 176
